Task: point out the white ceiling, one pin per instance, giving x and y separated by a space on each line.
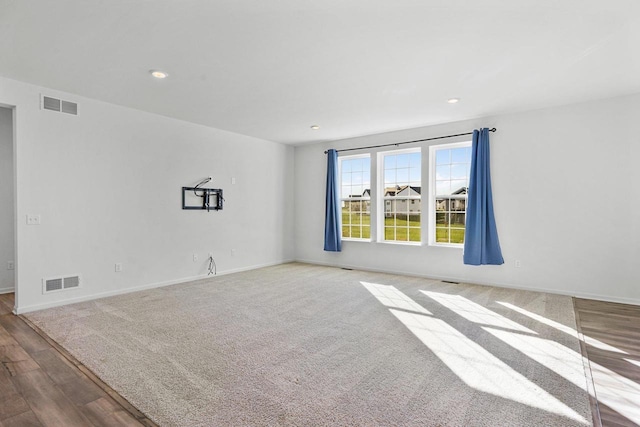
271 69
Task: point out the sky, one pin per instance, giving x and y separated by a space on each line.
452 171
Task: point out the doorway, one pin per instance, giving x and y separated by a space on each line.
7 202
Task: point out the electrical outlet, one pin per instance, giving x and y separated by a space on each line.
518 263
233 181
195 257
118 267
234 252
210 254
33 219
11 265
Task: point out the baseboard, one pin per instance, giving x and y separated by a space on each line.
6 290
598 297
36 307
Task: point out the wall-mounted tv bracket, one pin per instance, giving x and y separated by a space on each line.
202 198
211 199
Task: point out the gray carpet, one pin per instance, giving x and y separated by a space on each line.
303 345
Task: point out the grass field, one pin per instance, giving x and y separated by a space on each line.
356 226
359 227
456 235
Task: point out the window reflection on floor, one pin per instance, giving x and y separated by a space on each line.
472 363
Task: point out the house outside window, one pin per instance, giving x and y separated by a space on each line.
450 165
355 196
399 175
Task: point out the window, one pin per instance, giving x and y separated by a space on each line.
449 182
355 196
400 189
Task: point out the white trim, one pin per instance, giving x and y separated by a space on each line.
400 242
585 295
459 246
7 290
35 307
354 156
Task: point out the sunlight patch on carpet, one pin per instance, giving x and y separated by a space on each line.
616 391
560 359
389 296
475 312
591 341
478 368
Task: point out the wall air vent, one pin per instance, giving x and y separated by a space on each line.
54 104
50 103
70 108
71 282
52 285
60 284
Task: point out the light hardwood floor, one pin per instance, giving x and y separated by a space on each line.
42 385
616 365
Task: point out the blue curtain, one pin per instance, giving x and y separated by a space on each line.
481 245
332 232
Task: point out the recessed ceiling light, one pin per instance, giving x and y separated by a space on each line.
315 127
453 100
159 74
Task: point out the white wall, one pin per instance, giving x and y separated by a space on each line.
565 195
6 199
107 185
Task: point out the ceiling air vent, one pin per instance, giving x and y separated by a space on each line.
60 284
54 104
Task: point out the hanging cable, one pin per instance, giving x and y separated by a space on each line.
204 181
213 269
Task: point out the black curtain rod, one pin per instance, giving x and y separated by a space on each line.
410 142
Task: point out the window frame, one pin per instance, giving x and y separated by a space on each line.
433 149
382 201
343 199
